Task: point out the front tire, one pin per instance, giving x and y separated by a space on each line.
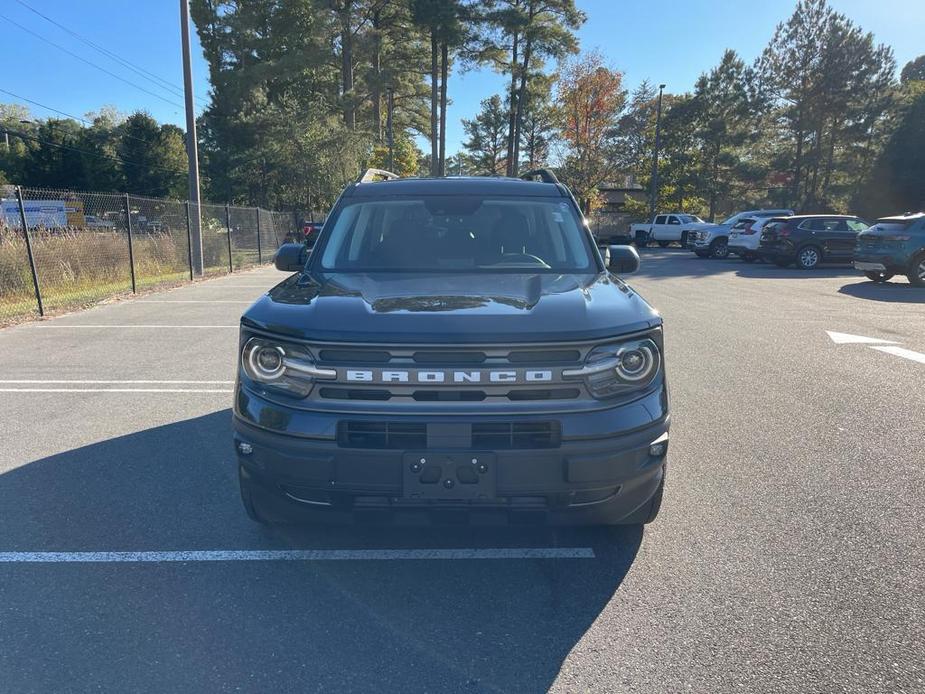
916 274
809 257
719 249
878 277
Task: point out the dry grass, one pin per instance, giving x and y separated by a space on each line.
80 268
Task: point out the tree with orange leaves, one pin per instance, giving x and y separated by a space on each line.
589 99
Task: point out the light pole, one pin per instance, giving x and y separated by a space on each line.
654 183
390 137
192 150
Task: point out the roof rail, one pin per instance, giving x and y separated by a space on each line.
545 175
372 174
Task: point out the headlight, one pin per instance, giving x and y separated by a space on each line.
619 368
280 366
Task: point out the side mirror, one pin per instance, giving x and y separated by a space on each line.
290 257
623 260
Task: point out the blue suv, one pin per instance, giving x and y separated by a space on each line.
893 246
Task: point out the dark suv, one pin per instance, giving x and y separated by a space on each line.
453 349
808 240
893 246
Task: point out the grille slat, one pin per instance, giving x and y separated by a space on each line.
413 435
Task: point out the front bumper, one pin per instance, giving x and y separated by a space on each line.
601 471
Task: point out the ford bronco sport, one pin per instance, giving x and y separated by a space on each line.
453 349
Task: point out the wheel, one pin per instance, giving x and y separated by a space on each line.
664 244
916 272
649 510
808 258
878 276
719 249
247 484
749 258
641 240
702 254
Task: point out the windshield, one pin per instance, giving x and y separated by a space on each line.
462 233
730 220
690 219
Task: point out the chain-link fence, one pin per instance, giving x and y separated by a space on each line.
78 248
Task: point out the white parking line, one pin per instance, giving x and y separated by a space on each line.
115 390
298 555
101 326
901 352
136 382
265 287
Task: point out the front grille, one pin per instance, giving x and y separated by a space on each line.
413 435
505 435
482 358
440 395
382 435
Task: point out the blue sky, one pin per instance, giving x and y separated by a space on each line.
659 40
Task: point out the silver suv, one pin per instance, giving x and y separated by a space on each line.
713 242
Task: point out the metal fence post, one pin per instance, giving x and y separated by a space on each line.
189 241
131 251
228 229
25 231
259 252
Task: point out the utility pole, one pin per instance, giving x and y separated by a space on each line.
388 128
653 195
192 150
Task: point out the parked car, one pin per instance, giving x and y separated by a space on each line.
665 228
745 236
93 222
310 231
808 240
713 241
452 346
893 246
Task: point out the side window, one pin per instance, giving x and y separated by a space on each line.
660 219
816 225
673 220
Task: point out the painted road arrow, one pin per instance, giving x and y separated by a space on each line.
888 346
847 339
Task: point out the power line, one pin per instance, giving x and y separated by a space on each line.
89 62
146 74
77 118
26 136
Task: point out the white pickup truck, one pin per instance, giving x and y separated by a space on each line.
666 228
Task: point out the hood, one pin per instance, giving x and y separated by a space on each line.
451 308
699 225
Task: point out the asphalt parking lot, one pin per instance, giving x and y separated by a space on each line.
789 554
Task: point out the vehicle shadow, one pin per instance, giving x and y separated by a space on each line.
673 263
895 291
421 625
